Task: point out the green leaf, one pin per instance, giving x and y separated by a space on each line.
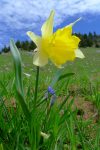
66 113
18 78
64 102
65 76
1 147
58 76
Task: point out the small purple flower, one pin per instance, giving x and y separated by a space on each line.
51 90
51 95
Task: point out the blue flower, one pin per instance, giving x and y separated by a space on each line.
51 95
51 90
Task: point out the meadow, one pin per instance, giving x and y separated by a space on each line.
72 122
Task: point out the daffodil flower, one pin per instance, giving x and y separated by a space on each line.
59 47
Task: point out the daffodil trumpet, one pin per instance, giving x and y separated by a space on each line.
60 46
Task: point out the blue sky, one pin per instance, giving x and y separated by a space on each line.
18 17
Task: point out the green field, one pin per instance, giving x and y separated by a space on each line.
79 125
86 70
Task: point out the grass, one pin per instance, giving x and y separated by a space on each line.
87 67
71 123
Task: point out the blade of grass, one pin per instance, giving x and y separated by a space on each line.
18 78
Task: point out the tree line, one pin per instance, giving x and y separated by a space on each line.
21 45
87 40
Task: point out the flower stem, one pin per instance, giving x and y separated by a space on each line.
36 86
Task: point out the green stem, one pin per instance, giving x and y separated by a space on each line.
36 86
33 128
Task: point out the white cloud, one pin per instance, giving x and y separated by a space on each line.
29 15
25 14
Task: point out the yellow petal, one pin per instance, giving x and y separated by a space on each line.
40 58
47 28
79 54
67 30
73 23
35 38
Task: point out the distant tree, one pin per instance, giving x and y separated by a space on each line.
18 44
83 42
6 49
85 36
25 45
90 36
32 46
90 40
97 44
95 35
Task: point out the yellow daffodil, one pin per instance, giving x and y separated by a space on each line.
59 47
